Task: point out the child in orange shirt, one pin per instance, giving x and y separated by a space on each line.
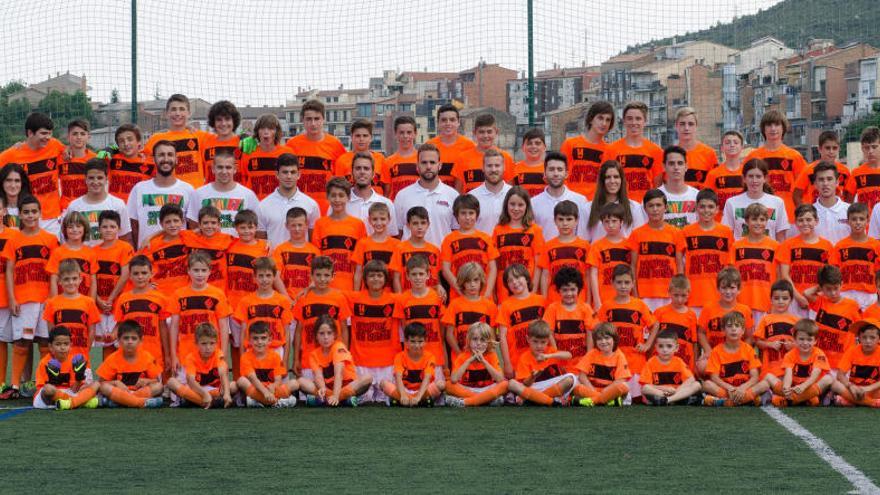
263 376
677 317
805 370
642 160
468 166
294 257
265 304
873 311
417 221
128 165
112 256
258 166
858 372
374 336
468 244
656 252
864 183
149 308
733 368
727 178
603 372
517 237
514 316
476 377
565 250
570 320
130 376
414 382
834 313
379 246
423 305
540 371
666 379
755 257
361 131
468 309
710 331
858 257
74 228
335 380
62 379
829 151
73 310
606 254
708 246
529 173
210 239
774 336
585 152
204 379
166 251
338 234
801 257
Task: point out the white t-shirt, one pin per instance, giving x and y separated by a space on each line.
491 205
832 221
93 210
735 208
597 231
273 210
437 201
681 209
228 202
360 208
146 199
544 203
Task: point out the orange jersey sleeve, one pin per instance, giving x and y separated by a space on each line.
656 262
706 252
756 263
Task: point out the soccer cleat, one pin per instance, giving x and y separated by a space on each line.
62 404
314 401
28 389
90 404
586 402
349 402
79 365
285 402
11 393
154 403
712 401
694 400
779 401
453 401
655 401
616 402
53 368
497 402
251 402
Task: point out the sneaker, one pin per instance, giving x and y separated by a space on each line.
285 402
453 401
712 401
618 402
586 402
62 404
78 363
655 401
28 389
154 403
561 402
251 402
314 401
511 399
90 404
779 401
217 403
694 400
498 402
350 402
11 393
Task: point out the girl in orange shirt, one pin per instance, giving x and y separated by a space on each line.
471 308
517 237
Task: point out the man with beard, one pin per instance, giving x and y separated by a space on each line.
491 192
148 197
364 195
430 193
555 174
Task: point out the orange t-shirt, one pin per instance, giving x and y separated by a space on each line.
570 328
756 263
529 177
274 310
463 312
725 183
774 328
169 263
258 171
732 367
529 367
211 144
476 246
603 370
72 175
556 255
700 161
215 247
449 155
476 375
63 380
706 253
148 309
862 369
414 372
404 251
427 310
78 314
338 240
206 372
804 260
655 265
804 182
374 336
266 368
584 161
872 311
640 165
342 168
671 374
515 314
125 172
400 172
30 255
521 246
468 168
41 167
834 320
84 257
116 368
632 320
295 265
604 255
240 277
6 234
864 185
194 307
801 369
316 160
110 261
367 250
324 364
684 325
190 164
710 320
785 166
858 261
306 312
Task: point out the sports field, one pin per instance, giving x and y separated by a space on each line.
381 450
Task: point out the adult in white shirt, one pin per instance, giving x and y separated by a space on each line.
428 191
96 200
147 197
757 191
224 193
272 212
681 199
363 196
555 173
610 189
830 209
491 192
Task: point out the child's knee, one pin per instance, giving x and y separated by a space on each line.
173 384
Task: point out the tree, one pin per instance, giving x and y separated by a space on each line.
114 96
63 108
853 131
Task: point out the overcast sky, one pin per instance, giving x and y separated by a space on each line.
263 52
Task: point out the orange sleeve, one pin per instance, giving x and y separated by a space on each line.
621 372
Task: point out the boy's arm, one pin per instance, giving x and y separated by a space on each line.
164 338
450 277
337 381
536 278
426 380
785 274
716 379
490 280
786 379
10 292
496 373
594 288
456 375
401 389
345 335
395 283
297 335
703 341
53 285
754 374
134 233
451 340
505 352
634 264
545 281
93 288
285 358
679 262
651 336
91 337
172 341
358 277
584 380
558 355
812 294
120 286
223 323
809 382
224 384
192 383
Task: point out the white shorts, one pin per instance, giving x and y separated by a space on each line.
796 310
53 226
379 374
545 384
104 332
757 316
6 326
39 403
635 389
864 299
29 323
235 329
656 302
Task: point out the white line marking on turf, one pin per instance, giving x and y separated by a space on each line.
859 480
15 408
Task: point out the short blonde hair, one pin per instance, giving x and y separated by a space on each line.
685 112
539 329
470 271
482 330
